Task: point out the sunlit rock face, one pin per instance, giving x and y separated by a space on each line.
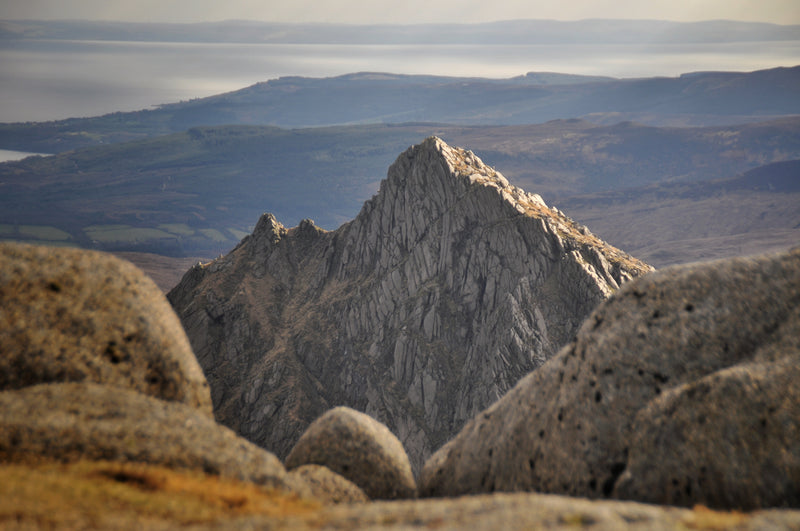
447 288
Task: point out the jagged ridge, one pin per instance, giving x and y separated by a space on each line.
447 288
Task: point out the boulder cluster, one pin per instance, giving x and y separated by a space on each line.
94 365
679 390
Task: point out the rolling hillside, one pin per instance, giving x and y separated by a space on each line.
699 99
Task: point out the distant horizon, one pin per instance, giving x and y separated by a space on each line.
60 69
408 12
642 33
440 23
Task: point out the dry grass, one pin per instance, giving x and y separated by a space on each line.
101 495
104 495
702 517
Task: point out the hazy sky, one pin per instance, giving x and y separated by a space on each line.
400 11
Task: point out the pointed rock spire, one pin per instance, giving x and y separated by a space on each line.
447 288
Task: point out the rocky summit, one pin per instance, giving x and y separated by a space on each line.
448 287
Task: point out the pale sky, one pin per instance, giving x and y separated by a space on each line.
401 11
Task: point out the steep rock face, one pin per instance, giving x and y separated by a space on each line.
447 288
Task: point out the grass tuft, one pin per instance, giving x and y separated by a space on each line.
106 495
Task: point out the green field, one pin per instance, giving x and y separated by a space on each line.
172 238
214 234
181 229
41 233
177 232
124 233
49 243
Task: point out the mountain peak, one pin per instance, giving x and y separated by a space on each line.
269 229
433 185
448 287
465 164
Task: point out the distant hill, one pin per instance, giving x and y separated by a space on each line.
197 193
699 99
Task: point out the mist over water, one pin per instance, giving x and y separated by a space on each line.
47 80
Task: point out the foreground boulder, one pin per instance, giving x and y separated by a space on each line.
359 448
85 421
71 315
448 287
328 486
680 389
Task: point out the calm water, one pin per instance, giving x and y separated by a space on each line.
47 80
7 154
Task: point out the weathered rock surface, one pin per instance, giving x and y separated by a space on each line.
448 287
680 389
327 486
359 448
74 421
75 315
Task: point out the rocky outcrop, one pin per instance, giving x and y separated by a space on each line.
448 287
73 421
360 449
680 389
94 366
70 315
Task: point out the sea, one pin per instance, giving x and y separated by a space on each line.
43 80
9 155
